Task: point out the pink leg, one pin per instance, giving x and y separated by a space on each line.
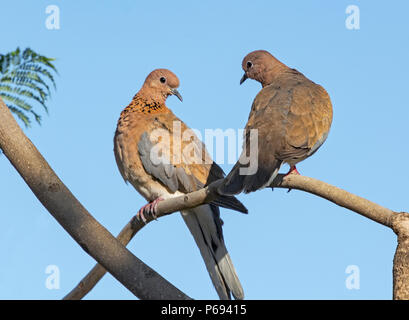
149 209
293 170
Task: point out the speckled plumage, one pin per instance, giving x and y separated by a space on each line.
134 141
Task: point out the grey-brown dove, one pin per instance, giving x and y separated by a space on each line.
162 158
292 116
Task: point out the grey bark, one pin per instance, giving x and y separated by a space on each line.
130 271
140 279
399 222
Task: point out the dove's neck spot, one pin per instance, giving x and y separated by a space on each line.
145 105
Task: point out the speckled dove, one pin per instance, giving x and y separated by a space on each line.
292 116
162 158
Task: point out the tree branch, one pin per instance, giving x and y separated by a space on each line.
140 279
165 207
324 190
400 224
336 195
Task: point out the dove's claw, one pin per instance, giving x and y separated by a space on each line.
293 170
149 209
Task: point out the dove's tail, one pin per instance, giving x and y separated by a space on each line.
206 227
229 202
237 182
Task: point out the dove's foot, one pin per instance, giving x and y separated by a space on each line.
293 170
148 209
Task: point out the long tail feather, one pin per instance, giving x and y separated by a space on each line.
205 225
229 202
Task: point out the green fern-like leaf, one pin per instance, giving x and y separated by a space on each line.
19 76
38 70
23 93
27 84
25 79
16 101
20 114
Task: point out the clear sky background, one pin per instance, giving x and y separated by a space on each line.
291 245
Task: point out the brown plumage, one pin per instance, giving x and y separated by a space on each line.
292 114
158 154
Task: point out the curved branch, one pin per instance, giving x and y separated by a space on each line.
132 227
343 198
324 190
140 279
400 224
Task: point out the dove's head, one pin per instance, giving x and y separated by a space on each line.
161 83
261 66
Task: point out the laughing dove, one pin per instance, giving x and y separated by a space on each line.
162 158
292 116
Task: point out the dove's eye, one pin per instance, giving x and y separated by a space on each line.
162 79
249 64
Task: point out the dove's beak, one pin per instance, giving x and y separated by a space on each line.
243 78
177 94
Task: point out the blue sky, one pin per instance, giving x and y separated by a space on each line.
291 245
